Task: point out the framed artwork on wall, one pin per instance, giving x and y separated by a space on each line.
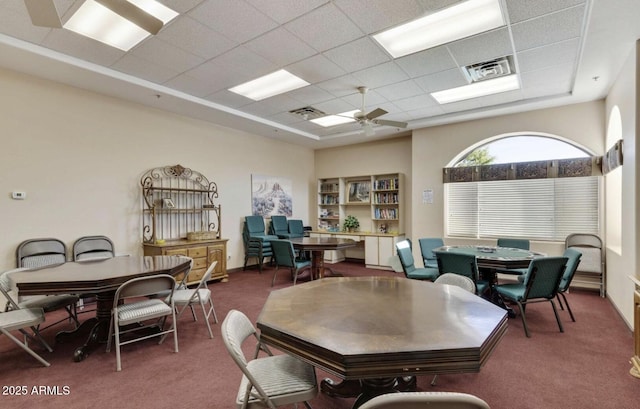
271 195
358 191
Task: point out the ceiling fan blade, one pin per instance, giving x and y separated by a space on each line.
390 123
43 13
375 113
134 14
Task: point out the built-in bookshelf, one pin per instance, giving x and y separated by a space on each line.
376 200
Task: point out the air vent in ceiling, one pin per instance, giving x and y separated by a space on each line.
308 113
489 69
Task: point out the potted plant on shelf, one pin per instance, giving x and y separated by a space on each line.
351 223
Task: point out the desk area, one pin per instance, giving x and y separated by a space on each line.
377 249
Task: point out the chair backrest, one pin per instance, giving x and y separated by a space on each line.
590 245
43 252
573 261
254 226
89 247
543 277
423 400
236 328
278 225
458 263
145 286
427 245
458 280
405 255
514 243
283 253
296 228
5 289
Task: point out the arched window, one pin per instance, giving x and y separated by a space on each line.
525 186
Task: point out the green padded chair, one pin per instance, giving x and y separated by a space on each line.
573 257
279 226
464 265
541 283
408 264
285 256
256 241
514 243
296 228
426 248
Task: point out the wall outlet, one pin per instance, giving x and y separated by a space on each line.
18 195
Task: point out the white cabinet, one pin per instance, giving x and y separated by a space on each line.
378 249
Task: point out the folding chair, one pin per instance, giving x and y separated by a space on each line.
185 297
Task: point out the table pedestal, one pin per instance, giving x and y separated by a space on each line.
98 328
367 389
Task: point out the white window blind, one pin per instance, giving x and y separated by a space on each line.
542 209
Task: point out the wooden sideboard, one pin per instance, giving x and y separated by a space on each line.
378 249
203 253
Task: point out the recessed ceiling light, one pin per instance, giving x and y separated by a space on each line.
100 23
477 89
332 120
272 84
453 23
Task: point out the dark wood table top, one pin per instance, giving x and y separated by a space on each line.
495 257
375 327
322 243
94 276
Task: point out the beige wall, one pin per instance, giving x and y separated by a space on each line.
622 194
79 157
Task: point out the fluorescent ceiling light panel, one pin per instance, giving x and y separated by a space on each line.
332 120
477 89
95 21
272 84
453 23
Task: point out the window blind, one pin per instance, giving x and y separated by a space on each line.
537 209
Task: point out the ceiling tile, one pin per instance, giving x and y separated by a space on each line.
196 38
551 28
380 75
417 102
167 55
541 57
441 80
193 86
228 98
324 28
141 68
400 90
357 55
377 15
341 86
82 47
482 47
283 11
182 6
431 6
501 98
558 77
290 48
235 19
427 62
520 10
462 106
310 95
315 69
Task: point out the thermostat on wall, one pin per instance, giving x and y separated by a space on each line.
19 195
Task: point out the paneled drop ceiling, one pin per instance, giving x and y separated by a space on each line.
564 52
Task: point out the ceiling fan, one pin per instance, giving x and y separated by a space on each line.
367 121
43 13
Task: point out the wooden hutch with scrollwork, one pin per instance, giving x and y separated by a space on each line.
180 217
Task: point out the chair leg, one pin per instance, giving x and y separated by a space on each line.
26 348
434 380
273 280
524 320
206 317
568 307
555 311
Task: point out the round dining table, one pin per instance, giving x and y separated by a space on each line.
100 277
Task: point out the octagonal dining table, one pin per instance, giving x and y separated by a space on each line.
376 332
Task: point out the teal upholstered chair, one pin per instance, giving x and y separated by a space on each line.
296 228
541 284
408 263
573 260
256 241
285 256
463 264
279 226
514 243
426 248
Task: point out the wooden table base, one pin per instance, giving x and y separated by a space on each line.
367 389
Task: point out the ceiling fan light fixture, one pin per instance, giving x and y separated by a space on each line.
450 24
477 89
332 120
277 82
101 23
